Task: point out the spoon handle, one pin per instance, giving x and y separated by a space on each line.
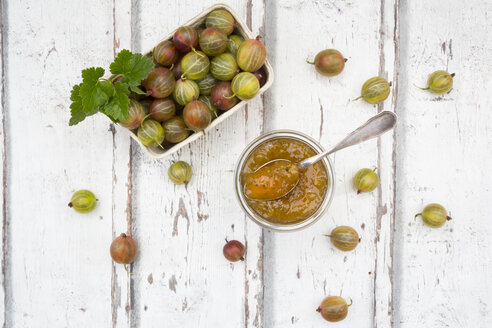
374 127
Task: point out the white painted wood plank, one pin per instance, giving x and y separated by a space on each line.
444 155
3 172
181 276
302 268
121 285
59 262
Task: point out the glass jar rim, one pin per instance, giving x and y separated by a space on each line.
242 200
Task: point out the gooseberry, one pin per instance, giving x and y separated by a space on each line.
150 133
162 109
234 43
197 115
165 53
208 102
123 249
375 90
180 172
366 180
245 85
344 238
185 39
234 251
439 82
213 41
224 67
434 215
223 97
159 83
206 84
221 19
186 91
329 62
175 130
195 65
251 55
83 201
334 308
136 114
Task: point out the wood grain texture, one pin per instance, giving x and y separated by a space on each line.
3 173
444 155
181 275
60 269
122 283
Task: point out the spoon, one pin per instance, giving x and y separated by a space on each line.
277 178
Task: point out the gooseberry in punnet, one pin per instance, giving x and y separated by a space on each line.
175 130
165 53
224 67
213 41
150 133
180 173
162 109
223 97
83 201
195 65
186 91
434 215
206 99
206 84
366 180
234 251
245 85
177 70
159 83
234 43
329 62
222 20
197 115
439 82
375 90
333 308
136 115
251 55
185 39
123 249
344 238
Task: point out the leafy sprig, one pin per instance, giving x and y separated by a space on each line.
110 97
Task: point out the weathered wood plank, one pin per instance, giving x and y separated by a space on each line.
121 286
302 268
444 155
57 257
3 173
181 276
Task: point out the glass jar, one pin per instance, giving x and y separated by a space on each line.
239 189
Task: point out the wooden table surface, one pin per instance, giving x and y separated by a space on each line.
56 269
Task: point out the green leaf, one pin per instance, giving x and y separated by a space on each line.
94 92
76 108
137 90
133 67
117 107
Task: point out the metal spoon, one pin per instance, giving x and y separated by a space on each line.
374 127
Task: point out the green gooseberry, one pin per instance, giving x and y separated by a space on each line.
180 172
245 85
329 62
234 43
434 215
186 91
375 90
439 82
150 133
344 238
224 67
366 180
83 201
195 65
206 83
